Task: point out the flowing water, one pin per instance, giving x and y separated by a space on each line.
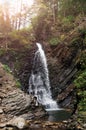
39 84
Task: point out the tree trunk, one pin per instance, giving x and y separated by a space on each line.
54 10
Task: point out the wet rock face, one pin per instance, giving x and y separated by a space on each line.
62 68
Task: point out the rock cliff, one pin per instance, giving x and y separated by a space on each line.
62 68
14 103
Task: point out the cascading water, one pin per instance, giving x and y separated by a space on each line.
39 84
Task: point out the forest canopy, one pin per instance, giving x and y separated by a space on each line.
21 14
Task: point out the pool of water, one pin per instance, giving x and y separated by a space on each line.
58 115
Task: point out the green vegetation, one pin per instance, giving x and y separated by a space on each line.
6 67
54 41
68 23
79 41
22 36
80 83
8 70
2 51
18 84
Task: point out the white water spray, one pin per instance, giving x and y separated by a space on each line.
39 84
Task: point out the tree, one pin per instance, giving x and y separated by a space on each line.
72 7
5 22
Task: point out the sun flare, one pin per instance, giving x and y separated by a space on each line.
16 10
16 5
28 2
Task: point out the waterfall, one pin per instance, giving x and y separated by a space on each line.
39 84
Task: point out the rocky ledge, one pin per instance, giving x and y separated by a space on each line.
15 105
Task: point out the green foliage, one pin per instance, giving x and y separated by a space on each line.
77 42
68 19
2 51
6 68
19 36
83 34
82 104
72 7
83 61
18 84
67 22
80 42
80 83
85 41
54 41
83 31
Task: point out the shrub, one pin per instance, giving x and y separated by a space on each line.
67 23
68 19
80 83
23 37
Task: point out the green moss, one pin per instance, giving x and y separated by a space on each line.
54 41
18 84
6 68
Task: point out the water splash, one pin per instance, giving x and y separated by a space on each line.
39 84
